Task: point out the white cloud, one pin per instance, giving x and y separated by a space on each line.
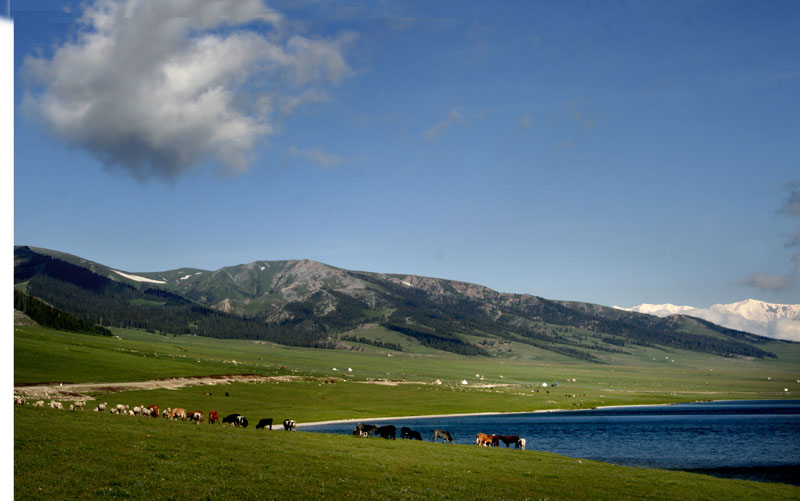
770 282
317 156
453 117
782 282
784 328
157 87
289 103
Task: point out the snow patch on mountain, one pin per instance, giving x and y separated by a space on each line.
137 278
777 321
659 310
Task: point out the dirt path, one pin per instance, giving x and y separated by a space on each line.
76 391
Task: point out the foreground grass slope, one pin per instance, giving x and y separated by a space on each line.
102 455
71 455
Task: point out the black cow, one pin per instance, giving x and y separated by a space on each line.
264 423
289 424
444 435
388 431
235 420
364 430
406 432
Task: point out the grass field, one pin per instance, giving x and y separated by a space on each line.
102 455
88 455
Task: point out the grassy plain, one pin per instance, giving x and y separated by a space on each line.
90 455
99 455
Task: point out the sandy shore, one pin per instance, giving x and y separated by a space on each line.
429 416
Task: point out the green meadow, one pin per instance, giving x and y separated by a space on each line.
90 455
103 455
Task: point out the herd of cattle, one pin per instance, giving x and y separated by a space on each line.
361 429
390 432
172 414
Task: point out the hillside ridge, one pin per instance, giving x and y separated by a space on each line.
308 303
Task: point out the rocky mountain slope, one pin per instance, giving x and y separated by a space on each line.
306 303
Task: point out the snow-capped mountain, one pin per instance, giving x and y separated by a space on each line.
659 310
778 321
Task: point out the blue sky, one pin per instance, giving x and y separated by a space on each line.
615 153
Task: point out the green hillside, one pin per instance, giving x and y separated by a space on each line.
305 303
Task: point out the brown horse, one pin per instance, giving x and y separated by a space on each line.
509 439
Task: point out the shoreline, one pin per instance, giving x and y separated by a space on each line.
500 413
491 413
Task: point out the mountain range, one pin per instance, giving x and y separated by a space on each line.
307 303
777 321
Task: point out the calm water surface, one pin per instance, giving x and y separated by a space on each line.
760 437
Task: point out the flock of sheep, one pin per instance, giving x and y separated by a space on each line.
236 420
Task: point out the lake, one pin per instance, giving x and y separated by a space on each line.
758 440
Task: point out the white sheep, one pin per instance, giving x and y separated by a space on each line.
56 405
39 403
19 400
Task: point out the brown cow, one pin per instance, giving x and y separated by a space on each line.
485 440
196 416
213 417
178 413
153 410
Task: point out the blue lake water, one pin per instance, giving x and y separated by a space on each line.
745 439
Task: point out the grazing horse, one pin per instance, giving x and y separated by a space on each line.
213 417
264 423
520 444
444 435
364 430
509 439
289 424
388 431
